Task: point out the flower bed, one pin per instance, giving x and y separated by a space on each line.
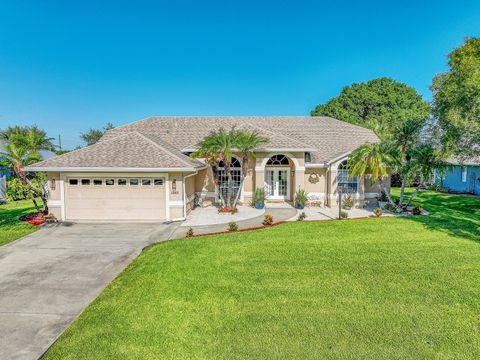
34 218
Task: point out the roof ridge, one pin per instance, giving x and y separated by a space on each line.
273 132
161 147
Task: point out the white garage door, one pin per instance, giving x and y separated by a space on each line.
115 198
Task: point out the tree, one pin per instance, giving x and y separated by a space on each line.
374 159
218 147
245 143
456 100
93 135
17 157
30 136
379 104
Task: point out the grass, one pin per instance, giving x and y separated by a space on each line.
10 227
391 288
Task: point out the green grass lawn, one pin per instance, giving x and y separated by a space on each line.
10 227
390 288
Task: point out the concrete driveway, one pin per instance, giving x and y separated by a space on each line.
49 277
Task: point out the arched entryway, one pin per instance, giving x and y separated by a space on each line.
278 169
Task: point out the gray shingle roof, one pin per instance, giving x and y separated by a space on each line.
128 150
158 142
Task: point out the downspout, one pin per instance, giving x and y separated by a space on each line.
185 193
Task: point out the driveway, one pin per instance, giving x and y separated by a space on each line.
49 277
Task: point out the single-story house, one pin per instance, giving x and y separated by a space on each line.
143 170
462 176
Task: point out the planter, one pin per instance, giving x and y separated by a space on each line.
259 205
347 207
300 206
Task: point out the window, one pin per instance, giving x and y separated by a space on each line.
109 182
73 182
146 182
276 160
85 182
464 174
158 182
133 182
122 182
308 157
349 185
236 171
97 182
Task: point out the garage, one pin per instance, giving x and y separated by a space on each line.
115 198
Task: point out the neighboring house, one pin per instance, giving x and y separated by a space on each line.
142 171
463 176
44 154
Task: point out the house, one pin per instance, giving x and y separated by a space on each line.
143 171
463 176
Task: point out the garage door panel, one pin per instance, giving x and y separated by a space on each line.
115 203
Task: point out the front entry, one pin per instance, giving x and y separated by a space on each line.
277 183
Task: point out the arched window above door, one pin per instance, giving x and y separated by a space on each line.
277 160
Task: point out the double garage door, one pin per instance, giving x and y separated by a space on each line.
112 198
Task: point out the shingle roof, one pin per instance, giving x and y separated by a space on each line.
327 138
475 161
158 142
129 150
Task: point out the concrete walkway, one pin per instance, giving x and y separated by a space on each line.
49 277
279 214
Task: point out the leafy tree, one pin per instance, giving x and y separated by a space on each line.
379 104
30 136
218 147
456 100
93 135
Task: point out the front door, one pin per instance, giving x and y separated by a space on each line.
277 183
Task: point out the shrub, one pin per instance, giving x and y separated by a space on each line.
343 215
378 212
16 190
232 226
417 210
390 207
348 202
267 220
301 216
259 194
189 233
301 197
383 197
234 211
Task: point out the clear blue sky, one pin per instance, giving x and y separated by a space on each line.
68 66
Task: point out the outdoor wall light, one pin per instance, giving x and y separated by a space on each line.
174 184
52 184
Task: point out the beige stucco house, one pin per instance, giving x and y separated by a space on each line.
142 171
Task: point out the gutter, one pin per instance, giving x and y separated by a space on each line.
110 169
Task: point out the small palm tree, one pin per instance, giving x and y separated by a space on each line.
425 160
372 159
245 143
16 157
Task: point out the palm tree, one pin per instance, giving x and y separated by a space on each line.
373 159
425 160
218 146
245 143
405 137
16 157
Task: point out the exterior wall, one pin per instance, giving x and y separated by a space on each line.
315 184
453 180
190 192
55 186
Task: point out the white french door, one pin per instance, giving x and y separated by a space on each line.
277 183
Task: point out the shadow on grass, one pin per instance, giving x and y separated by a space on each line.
453 214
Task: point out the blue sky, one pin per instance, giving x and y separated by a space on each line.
68 66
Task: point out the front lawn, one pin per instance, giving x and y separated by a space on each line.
377 288
10 227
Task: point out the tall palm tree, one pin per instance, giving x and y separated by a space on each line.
373 159
245 143
16 157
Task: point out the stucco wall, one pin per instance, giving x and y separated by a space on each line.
453 179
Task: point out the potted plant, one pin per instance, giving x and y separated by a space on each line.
259 198
348 202
301 198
